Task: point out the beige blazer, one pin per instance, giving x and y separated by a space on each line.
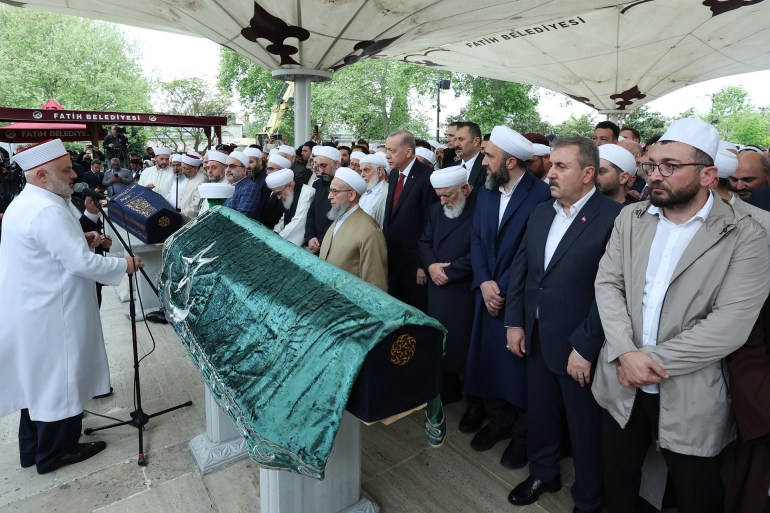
713 300
358 248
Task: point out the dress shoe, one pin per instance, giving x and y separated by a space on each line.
156 316
473 418
26 462
529 490
486 438
102 396
515 455
83 452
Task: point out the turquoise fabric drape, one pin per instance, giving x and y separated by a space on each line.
278 334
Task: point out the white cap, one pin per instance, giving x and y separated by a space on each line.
695 132
329 152
426 154
540 149
191 160
378 159
253 152
357 155
216 190
279 178
433 143
240 156
288 150
726 163
441 147
279 161
40 154
162 151
351 178
725 145
511 142
619 156
449 177
217 156
176 157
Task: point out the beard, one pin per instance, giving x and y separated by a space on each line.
674 199
496 179
336 212
326 178
372 183
288 201
454 211
59 187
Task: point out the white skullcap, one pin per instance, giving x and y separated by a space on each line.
279 161
378 159
217 156
162 151
40 154
540 149
426 154
176 157
511 142
272 151
253 152
724 145
288 150
358 155
191 160
694 132
619 156
329 152
433 143
449 177
351 178
726 163
238 155
279 178
216 190
441 147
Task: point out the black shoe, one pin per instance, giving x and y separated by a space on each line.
473 418
529 490
102 396
26 462
486 438
156 316
515 455
83 452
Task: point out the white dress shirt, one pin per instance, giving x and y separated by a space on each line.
667 248
468 165
505 198
369 198
561 223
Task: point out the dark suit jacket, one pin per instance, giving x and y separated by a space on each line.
404 225
761 198
317 223
90 226
564 292
478 175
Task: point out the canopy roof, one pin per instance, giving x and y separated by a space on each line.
606 54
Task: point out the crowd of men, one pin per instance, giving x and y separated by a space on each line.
603 298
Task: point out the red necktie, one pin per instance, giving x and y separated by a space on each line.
397 192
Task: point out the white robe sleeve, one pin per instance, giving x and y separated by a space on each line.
294 232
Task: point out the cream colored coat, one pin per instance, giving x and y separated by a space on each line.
713 300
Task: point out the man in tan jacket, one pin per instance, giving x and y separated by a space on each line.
680 286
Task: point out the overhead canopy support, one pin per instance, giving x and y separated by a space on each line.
303 79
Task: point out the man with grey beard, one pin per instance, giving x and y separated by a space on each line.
291 225
326 160
445 252
374 170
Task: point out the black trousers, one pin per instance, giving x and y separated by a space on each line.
696 479
43 443
402 285
552 398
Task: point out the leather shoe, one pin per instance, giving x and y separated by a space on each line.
83 452
473 418
515 455
529 490
157 316
486 438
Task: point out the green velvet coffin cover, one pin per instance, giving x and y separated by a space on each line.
278 334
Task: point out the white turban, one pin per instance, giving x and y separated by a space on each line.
426 154
216 190
280 161
329 152
540 149
357 155
433 143
191 160
726 163
695 132
449 177
619 156
253 152
162 151
217 156
351 178
240 156
511 142
288 150
40 154
176 157
279 178
378 159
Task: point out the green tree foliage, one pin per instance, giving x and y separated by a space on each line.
494 102
189 97
649 123
82 64
582 126
737 118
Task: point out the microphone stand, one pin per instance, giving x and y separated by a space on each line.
138 417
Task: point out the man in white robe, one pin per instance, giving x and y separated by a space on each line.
374 170
295 204
53 345
160 177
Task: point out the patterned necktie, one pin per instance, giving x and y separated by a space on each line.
397 191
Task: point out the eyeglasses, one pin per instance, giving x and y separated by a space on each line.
665 168
233 166
337 191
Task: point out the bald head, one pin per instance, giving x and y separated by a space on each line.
752 174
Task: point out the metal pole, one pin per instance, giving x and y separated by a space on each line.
438 105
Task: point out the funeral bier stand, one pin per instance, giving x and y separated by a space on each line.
286 343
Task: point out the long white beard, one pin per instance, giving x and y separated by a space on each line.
336 212
373 182
455 211
288 201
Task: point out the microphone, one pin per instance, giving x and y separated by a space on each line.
82 188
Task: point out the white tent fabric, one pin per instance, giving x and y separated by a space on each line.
606 54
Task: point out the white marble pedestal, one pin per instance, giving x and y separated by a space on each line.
221 444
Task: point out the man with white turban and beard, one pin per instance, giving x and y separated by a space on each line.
295 204
375 171
160 177
326 161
